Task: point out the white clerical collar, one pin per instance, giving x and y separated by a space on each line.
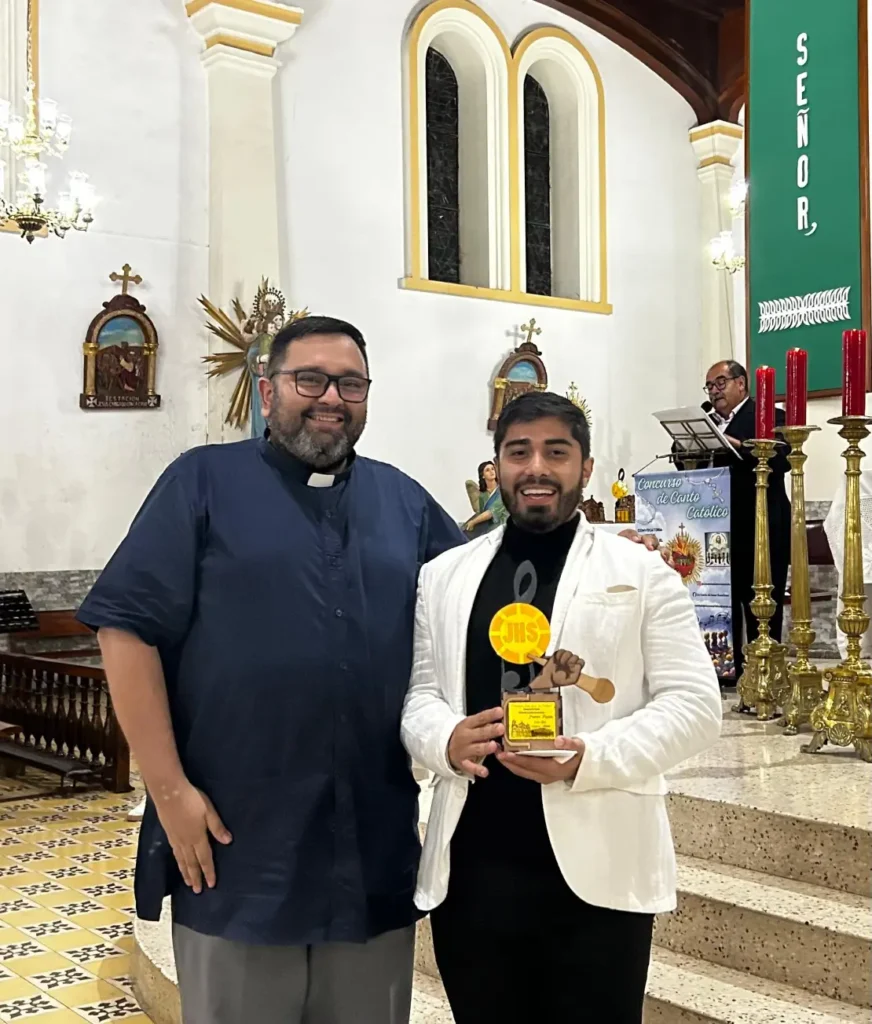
321 480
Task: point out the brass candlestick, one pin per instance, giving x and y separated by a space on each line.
844 716
762 683
804 682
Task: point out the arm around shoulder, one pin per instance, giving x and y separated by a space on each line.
683 714
428 721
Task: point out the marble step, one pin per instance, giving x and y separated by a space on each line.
429 1004
780 930
823 853
682 990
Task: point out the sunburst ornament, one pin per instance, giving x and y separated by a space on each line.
686 555
581 403
251 336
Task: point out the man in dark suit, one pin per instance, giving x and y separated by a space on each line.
726 384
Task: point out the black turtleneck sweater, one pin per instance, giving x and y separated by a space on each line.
503 817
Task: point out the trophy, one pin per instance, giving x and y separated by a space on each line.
533 714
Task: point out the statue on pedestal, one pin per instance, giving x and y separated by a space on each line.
251 336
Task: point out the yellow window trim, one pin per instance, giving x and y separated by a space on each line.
416 280
469 291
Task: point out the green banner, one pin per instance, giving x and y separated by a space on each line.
805 269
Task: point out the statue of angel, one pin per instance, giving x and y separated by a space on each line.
487 502
251 336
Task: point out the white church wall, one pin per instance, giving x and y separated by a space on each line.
70 481
433 354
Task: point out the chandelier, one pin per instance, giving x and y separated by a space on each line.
40 132
723 253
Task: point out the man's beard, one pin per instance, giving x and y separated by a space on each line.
541 519
298 436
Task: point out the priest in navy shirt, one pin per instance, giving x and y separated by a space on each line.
256 626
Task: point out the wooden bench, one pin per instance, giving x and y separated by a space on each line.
67 724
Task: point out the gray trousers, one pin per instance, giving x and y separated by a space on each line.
224 982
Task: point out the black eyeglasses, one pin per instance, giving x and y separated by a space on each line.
718 384
312 384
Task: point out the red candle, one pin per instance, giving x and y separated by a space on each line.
797 387
854 373
765 399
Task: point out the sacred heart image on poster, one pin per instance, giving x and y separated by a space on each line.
686 554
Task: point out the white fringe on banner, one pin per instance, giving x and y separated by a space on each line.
827 307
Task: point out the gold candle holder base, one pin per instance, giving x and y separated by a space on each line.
763 682
804 681
844 715
805 690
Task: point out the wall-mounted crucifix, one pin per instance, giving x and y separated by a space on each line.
125 277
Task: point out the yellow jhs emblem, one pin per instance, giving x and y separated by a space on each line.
519 633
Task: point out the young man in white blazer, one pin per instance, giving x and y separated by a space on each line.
543 874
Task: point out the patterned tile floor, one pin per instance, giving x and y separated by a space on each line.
66 910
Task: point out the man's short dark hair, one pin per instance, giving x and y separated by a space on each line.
736 370
540 405
305 328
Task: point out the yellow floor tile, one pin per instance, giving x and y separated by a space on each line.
99 918
116 900
54 862
40 964
59 899
70 940
89 878
113 967
19 917
89 992
71 1017
15 988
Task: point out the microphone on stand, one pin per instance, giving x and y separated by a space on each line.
707 407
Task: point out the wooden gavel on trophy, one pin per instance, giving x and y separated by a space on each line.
564 668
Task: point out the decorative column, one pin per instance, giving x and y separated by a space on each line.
715 146
240 38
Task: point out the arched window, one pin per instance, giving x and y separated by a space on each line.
458 150
571 92
537 187
504 165
443 170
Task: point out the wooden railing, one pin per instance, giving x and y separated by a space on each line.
66 719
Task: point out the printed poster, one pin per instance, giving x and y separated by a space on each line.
689 513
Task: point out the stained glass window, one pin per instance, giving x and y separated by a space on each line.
537 185
443 170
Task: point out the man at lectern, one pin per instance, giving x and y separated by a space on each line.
726 385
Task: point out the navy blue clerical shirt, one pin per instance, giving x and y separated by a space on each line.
283 614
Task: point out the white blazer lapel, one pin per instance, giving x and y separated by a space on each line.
574 572
473 570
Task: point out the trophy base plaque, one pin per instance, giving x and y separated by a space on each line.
533 721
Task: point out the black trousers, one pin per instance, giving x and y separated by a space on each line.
515 945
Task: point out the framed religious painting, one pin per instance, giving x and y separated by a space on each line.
120 354
523 371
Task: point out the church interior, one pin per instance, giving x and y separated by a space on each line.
601 198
